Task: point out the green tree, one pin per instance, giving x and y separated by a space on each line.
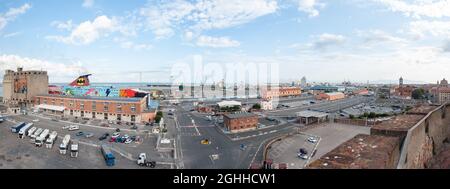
352 116
372 115
158 117
418 93
257 106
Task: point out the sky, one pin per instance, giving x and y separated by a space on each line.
143 40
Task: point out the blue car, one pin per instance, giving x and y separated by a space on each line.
80 133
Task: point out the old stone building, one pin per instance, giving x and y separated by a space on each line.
20 87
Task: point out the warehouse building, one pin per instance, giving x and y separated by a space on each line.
330 96
127 110
240 121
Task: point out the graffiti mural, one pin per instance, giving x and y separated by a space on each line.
20 85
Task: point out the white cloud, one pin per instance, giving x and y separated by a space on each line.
88 3
421 28
126 44
9 35
88 32
418 8
163 19
216 42
68 25
310 7
379 36
12 13
325 40
8 61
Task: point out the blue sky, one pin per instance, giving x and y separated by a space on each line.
324 40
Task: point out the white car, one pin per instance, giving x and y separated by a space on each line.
74 128
302 156
36 120
128 141
312 139
115 135
126 137
66 127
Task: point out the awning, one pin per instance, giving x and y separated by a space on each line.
51 107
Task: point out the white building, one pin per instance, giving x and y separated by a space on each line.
267 105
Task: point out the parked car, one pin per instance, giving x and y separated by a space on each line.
134 127
66 127
117 130
312 139
128 141
89 135
74 128
303 151
302 156
126 137
81 133
115 135
35 120
104 136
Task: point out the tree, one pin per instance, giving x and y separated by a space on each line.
181 87
257 106
158 117
352 116
372 115
418 94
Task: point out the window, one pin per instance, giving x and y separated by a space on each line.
62 103
133 118
82 105
53 101
45 101
71 112
94 106
119 107
71 103
133 108
105 106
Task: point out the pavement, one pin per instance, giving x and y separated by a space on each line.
89 155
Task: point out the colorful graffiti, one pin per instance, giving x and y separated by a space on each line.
102 91
81 81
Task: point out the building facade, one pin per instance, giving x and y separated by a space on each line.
127 110
241 121
444 95
267 105
20 87
330 96
270 93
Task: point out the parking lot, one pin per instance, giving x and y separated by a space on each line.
286 151
20 153
333 134
329 136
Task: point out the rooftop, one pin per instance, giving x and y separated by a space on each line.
360 152
229 103
239 115
94 98
422 109
335 93
399 123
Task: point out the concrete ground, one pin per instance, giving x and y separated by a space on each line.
333 134
285 151
20 153
330 136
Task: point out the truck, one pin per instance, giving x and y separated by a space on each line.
142 161
51 140
24 130
35 135
64 145
74 149
108 155
42 137
17 127
31 131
